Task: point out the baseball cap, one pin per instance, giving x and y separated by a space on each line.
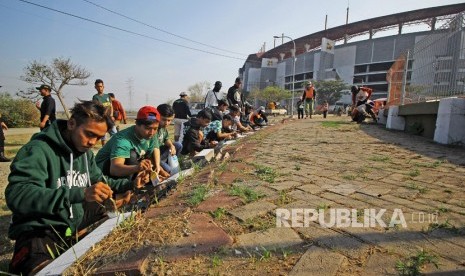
183 94
148 113
44 86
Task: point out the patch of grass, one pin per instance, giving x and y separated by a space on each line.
413 265
260 223
266 173
415 186
222 167
216 261
297 167
198 195
246 193
333 124
443 225
218 213
349 177
434 164
283 198
414 173
285 253
322 206
266 254
448 191
443 209
380 158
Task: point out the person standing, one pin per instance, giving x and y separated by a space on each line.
167 147
47 108
181 114
308 97
235 96
105 100
211 99
325 108
300 109
118 111
55 188
2 141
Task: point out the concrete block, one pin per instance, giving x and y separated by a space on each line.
229 142
318 261
382 119
272 239
450 121
206 154
394 120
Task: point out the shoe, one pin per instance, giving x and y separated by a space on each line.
3 158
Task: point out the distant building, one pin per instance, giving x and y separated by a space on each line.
327 54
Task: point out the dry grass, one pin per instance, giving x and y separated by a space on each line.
133 233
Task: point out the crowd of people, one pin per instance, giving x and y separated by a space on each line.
57 187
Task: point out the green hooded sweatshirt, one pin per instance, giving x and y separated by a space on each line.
47 182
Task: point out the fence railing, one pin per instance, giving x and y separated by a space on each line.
433 69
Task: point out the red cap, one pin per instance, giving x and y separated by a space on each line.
148 113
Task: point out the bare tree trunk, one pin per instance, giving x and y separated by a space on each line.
60 97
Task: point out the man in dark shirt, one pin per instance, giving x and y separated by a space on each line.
235 96
47 108
181 114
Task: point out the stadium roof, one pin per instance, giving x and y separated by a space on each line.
369 26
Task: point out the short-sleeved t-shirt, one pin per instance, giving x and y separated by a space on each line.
104 99
121 144
214 126
162 135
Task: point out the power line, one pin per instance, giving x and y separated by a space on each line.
128 31
161 30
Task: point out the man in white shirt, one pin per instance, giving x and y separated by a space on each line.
213 96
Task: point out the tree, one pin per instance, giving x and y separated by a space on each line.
18 112
198 91
271 94
329 90
58 74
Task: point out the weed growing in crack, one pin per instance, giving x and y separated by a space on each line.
198 195
413 265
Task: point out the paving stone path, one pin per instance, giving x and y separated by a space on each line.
327 167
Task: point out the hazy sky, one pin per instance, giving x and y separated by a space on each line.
160 71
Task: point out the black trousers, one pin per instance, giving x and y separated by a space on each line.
34 249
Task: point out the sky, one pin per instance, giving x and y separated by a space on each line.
163 47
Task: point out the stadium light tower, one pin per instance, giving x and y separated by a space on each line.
293 72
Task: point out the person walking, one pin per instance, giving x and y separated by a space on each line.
47 108
105 100
211 99
2 141
308 97
118 111
181 114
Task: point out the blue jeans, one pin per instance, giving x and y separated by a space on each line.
165 152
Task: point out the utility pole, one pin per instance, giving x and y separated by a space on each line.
129 84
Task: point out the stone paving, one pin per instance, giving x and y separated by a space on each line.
327 167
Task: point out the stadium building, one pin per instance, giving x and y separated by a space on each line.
356 53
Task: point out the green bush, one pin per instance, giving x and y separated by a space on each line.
18 112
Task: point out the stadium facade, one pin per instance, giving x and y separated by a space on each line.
330 54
